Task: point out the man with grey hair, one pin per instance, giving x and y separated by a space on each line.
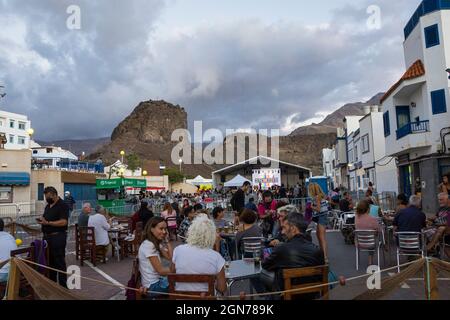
439 221
411 219
83 219
278 235
297 252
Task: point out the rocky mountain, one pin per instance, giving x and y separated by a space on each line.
147 132
334 120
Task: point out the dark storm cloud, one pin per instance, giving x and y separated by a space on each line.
232 75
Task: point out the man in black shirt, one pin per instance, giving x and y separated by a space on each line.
69 201
54 227
346 205
238 200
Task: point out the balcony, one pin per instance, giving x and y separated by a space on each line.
412 128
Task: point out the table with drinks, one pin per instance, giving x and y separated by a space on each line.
118 229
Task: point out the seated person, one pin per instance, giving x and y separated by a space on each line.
346 204
153 248
297 252
101 228
438 230
279 237
364 221
249 228
7 244
411 219
218 216
184 226
144 214
198 256
83 218
251 204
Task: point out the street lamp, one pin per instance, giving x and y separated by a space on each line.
122 153
180 161
144 173
30 132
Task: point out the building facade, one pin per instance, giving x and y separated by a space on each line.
416 108
15 173
15 127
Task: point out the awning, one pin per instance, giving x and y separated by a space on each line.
14 179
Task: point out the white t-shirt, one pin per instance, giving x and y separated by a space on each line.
192 260
101 226
7 244
148 274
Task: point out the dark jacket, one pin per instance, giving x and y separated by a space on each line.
238 200
296 253
411 219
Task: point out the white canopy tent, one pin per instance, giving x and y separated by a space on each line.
237 181
199 180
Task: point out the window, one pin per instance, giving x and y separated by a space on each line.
11 138
22 125
2 122
11 124
438 103
21 140
432 36
356 154
365 144
40 195
5 194
387 125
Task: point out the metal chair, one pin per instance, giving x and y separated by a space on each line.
410 244
253 245
367 241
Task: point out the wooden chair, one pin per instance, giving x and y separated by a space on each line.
77 242
131 248
210 280
87 245
299 273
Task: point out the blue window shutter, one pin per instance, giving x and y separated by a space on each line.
432 36
438 101
387 125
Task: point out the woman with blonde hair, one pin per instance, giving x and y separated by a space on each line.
198 256
320 215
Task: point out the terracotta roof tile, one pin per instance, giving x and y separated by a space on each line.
416 70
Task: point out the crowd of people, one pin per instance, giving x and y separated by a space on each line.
287 242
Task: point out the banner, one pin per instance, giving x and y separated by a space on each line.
266 178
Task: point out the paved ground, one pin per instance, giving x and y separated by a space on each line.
342 263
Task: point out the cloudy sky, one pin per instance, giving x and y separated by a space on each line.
233 64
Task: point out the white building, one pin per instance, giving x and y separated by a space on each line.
51 157
15 127
327 162
416 108
378 169
355 175
340 164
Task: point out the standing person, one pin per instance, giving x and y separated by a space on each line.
69 201
238 200
169 212
320 215
84 215
282 192
54 227
445 185
267 211
7 244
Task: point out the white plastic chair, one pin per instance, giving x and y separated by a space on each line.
410 244
367 241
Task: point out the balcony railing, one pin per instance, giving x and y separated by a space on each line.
413 127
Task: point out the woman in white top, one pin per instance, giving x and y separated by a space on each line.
198 256
155 246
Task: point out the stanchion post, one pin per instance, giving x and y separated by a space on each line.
13 281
